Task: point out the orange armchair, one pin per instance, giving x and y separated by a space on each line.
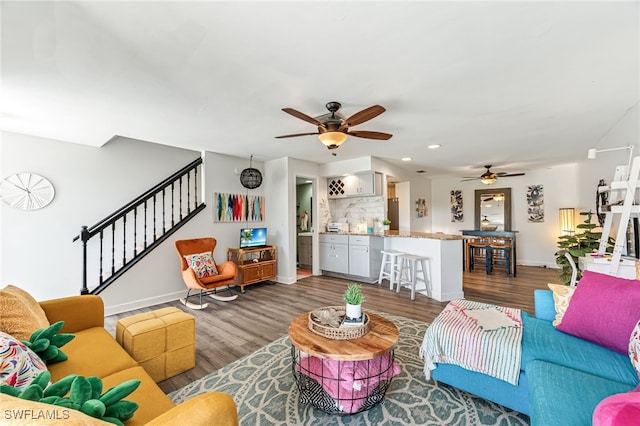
226 276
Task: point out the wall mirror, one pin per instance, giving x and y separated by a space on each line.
493 209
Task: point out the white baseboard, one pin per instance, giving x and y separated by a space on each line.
538 264
143 303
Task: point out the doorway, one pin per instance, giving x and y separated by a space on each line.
393 207
398 204
304 227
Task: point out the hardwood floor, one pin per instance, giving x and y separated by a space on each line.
226 331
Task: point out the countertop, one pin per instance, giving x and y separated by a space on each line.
432 236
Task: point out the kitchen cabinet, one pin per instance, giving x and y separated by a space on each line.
365 256
304 251
357 185
354 255
334 253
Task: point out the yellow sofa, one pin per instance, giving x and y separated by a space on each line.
94 352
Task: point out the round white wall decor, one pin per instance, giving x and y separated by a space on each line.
27 191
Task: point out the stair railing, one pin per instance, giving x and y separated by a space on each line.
116 243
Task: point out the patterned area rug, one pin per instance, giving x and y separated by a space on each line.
263 388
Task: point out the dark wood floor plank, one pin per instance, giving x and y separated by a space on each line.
227 331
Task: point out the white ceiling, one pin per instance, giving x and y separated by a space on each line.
520 85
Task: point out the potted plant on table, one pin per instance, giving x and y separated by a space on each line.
385 224
353 298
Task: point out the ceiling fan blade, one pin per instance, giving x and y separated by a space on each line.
468 179
512 174
370 135
302 116
362 116
297 134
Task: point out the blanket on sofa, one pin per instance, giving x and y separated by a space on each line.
477 336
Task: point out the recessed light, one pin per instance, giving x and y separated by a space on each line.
308 181
406 158
434 146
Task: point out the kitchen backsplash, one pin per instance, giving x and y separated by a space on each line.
355 210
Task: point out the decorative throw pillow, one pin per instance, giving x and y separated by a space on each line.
603 310
46 343
561 297
19 365
202 264
621 409
634 348
21 313
80 393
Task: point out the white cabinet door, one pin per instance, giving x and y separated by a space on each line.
359 260
366 184
352 185
325 256
334 257
341 258
358 185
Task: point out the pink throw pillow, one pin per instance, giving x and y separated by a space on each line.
622 409
603 310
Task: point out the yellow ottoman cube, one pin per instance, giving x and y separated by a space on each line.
161 341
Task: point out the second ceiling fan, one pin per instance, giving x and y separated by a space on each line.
333 128
490 177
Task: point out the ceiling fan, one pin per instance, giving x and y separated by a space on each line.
494 197
489 177
333 128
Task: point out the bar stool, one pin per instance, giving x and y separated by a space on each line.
389 257
479 247
409 273
499 251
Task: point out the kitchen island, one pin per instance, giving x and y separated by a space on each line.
445 260
444 252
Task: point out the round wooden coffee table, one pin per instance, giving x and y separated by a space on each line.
343 376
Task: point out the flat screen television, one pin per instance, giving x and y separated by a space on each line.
253 237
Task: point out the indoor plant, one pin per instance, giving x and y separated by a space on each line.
385 224
353 298
578 245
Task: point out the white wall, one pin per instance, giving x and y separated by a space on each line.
419 187
280 195
90 183
38 253
536 241
572 185
159 271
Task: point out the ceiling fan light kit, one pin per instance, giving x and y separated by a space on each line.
488 180
489 177
334 129
332 139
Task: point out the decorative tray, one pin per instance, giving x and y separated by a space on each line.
327 322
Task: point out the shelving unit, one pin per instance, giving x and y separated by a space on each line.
623 205
254 264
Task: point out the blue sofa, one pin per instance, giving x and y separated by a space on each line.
562 377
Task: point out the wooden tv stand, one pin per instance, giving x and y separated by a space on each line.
254 264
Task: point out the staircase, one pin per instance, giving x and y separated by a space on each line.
119 241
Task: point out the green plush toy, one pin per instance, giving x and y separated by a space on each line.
46 343
83 394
